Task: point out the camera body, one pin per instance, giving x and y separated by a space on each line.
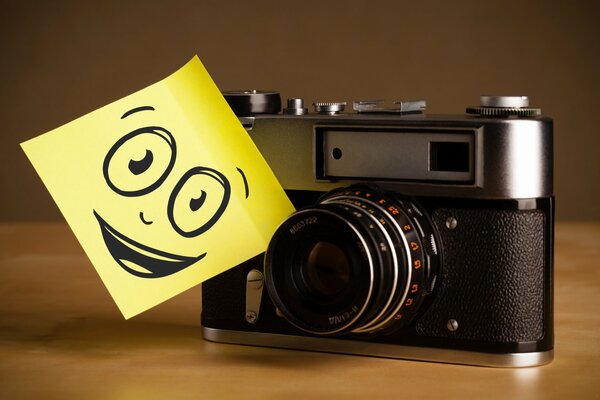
418 236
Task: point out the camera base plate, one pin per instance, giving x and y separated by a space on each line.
353 347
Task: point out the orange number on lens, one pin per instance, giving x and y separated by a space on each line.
408 302
414 288
407 227
417 264
414 246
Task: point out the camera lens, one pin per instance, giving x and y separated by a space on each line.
327 269
318 268
352 263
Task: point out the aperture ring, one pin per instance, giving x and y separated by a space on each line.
379 221
404 218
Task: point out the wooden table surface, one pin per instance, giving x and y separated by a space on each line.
61 336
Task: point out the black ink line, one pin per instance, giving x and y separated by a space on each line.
143 220
245 182
155 130
216 175
134 110
124 251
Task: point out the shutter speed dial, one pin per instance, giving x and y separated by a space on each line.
329 108
504 106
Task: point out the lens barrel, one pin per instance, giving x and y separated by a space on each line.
360 261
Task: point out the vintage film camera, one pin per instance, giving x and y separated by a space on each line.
417 236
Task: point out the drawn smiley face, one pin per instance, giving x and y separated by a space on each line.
138 164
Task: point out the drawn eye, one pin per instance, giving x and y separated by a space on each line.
138 167
195 204
198 201
140 161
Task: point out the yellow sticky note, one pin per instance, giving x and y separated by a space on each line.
163 188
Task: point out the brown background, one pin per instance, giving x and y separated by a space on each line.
62 59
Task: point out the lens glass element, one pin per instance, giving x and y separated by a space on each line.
327 269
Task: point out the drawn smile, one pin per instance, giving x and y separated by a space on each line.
141 260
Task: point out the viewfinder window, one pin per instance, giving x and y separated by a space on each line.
449 156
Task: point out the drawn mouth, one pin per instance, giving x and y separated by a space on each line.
141 260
